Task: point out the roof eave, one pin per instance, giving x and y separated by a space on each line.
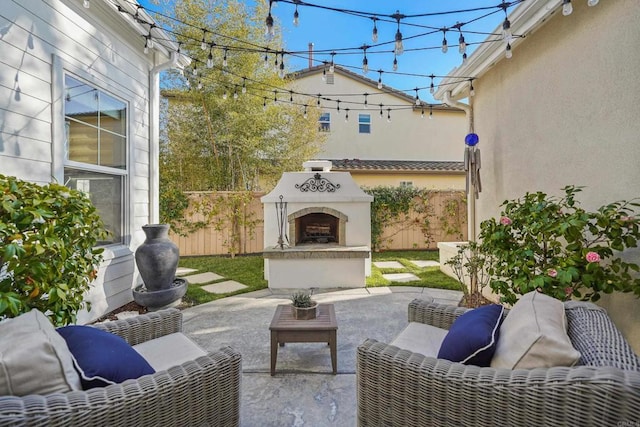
525 19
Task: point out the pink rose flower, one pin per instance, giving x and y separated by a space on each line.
505 220
568 291
592 257
626 218
552 272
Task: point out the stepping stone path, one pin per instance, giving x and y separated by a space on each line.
196 279
224 287
423 264
401 277
182 271
388 264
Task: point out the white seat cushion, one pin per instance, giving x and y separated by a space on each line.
169 350
421 338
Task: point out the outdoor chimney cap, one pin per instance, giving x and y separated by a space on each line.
317 166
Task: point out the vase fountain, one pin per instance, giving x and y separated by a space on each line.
157 260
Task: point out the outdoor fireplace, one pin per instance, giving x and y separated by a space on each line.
317 230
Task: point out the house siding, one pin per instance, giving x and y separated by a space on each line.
39 38
564 111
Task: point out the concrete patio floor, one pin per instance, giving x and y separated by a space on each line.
303 391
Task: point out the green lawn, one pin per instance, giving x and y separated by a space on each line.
248 270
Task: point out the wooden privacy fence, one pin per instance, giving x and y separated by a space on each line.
242 231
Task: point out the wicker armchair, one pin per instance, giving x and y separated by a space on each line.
202 392
398 388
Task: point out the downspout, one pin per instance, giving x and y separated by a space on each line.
471 200
154 136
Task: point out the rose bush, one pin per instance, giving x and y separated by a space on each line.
553 245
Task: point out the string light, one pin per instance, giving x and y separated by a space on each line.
281 72
204 44
210 58
366 105
332 66
275 96
195 70
324 73
291 96
374 32
269 30
462 45
417 97
338 105
224 58
235 92
381 111
430 112
389 115
445 47
398 47
266 60
264 104
199 84
304 114
296 15
422 113
318 100
508 54
86 4
567 7
244 85
346 115
380 79
395 63
432 88
146 44
365 61
472 91
224 95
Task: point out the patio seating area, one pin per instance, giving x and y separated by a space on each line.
303 391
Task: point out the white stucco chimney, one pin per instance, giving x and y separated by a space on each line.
310 55
317 166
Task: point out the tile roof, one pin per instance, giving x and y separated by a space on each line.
397 165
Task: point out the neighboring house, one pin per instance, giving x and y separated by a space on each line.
80 107
562 111
422 146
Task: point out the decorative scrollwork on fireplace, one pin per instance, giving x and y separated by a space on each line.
317 184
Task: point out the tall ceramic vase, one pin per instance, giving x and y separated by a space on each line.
157 258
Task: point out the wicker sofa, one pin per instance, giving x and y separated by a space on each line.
399 388
200 392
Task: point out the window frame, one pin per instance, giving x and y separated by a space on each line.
324 125
362 123
59 162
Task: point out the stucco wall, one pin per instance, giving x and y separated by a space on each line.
406 137
564 110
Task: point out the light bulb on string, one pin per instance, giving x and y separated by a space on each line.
592 3
567 7
318 100
199 84
304 114
472 91
224 58
224 95
422 113
244 85
281 72
235 92
507 35
380 79
462 44
398 46
338 105
296 16
395 63
150 40
464 57
266 60
508 54
264 104
275 96
275 63
389 115
291 96
445 46
86 4
366 105
374 32
365 63
432 87
346 115
146 45
381 111
210 58
204 45
417 97
430 112
324 72
195 70
269 31
332 65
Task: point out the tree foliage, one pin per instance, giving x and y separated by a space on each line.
210 143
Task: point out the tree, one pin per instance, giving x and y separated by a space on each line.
220 136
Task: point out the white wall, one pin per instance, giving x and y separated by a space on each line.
406 137
564 110
97 45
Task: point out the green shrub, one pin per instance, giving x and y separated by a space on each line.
47 253
552 244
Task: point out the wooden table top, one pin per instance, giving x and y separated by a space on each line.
325 319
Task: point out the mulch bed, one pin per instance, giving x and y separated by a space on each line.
132 306
474 300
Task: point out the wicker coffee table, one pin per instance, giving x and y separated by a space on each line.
285 329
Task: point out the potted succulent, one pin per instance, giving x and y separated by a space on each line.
302 306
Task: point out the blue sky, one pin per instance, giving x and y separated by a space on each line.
334 31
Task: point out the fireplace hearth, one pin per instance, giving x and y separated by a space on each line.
317 230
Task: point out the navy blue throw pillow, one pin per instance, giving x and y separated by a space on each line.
473 336
103 358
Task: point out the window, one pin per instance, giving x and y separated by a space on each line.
95 160
406 184
364 123
325 122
